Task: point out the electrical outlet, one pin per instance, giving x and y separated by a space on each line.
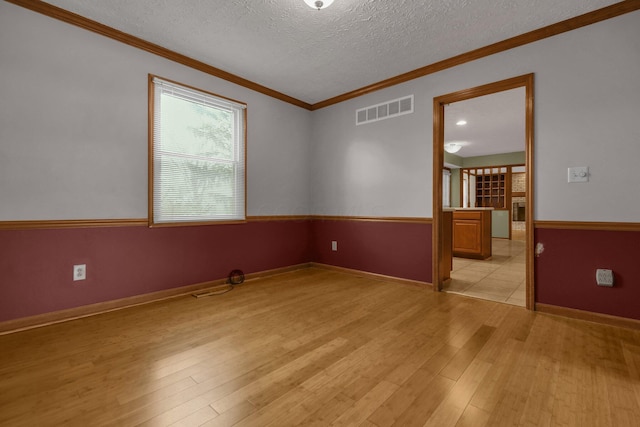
604 277
79 272
334 245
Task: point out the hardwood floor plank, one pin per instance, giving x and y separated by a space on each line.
413 361
177 413
493 387
359 412
459 363
232 416
196 418
473 417
274 412
620 387
425 404
632 359
321 347
283 373
334 408
394 407
520 386
452 407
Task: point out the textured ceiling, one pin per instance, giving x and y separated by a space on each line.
315 55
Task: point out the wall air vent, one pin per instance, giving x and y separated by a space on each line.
386 110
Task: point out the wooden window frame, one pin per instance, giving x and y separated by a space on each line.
151 171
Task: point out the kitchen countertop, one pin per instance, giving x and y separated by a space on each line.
472 209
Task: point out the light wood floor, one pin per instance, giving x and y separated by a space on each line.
316 347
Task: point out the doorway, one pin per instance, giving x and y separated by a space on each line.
497 177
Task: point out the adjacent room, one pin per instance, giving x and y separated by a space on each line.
300 212
484 178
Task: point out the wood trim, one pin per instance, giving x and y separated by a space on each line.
245 149
276 271
518 194
529 196
104 30
144 222
605 319
267 218
72 223
584 225
370 275
45 319
487 89
195 223
438 276
418 220
150 135
526 81
151 87
599 15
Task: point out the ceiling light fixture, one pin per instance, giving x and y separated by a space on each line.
452 147
319 4
461 122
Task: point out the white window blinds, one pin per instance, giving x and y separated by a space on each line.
446 188
198 156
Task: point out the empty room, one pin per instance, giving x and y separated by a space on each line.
338 212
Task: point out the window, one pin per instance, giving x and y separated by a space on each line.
197 161
446 188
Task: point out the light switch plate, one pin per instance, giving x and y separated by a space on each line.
578 174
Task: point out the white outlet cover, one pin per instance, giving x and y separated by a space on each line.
79 272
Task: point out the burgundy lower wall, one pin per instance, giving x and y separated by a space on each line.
565 271
36 265
395 249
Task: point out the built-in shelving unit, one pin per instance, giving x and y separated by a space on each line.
487 187
491 188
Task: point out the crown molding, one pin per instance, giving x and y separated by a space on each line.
513 42
599 15
104 30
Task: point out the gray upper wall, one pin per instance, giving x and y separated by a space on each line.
73 126
73 129
587 101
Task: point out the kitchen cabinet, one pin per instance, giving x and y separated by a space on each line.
472 233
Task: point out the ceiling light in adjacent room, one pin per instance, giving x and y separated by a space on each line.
452 147
319 4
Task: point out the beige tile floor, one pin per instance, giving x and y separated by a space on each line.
500 278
